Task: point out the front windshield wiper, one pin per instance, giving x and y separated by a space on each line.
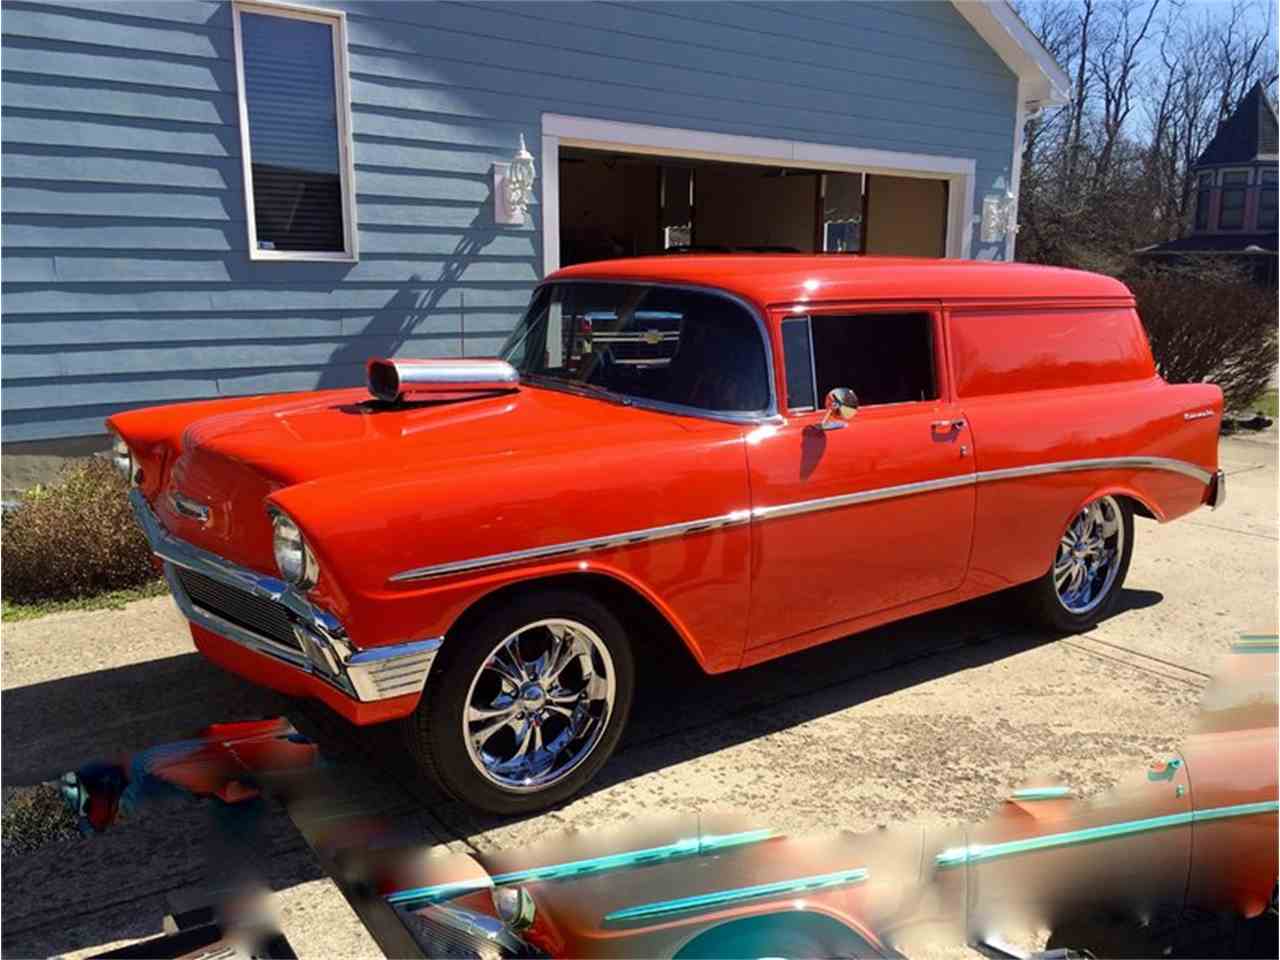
577 386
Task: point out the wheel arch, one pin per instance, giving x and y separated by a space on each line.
642 613
1141 506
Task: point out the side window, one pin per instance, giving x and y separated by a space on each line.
295 133
884 357
1011 350
797 352
1203 189
1267 200
1231 212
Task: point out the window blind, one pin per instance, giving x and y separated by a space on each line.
291 100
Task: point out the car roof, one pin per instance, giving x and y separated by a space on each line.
770 279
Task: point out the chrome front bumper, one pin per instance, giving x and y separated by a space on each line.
323 650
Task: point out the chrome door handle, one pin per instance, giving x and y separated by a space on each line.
948 425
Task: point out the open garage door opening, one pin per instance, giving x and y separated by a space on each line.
624 204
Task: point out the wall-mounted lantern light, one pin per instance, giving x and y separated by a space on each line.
513 187
999 216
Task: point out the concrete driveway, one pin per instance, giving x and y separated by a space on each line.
931 719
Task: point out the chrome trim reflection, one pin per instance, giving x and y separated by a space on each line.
391 379
862 496
795 508
1218 490
193 509
1099 463
576 546
373 674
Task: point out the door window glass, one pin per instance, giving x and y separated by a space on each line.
883 357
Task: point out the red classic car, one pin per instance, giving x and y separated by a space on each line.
668 451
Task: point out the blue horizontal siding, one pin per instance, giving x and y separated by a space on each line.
126 276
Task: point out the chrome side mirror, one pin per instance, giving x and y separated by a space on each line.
842 404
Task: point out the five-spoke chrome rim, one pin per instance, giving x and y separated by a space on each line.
539 704
1089 556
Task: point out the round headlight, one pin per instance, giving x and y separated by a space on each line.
122 457
515 907
294 558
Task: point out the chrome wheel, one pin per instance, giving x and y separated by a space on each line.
539 704
1089 556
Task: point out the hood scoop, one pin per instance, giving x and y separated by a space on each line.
394 381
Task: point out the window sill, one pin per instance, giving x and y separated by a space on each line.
296 256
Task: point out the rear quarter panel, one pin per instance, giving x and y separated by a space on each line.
1043 386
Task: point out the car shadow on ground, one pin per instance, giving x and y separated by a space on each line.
680 713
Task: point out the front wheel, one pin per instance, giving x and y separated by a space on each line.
1083 583
528 703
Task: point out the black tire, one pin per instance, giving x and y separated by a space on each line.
1040 598
434 731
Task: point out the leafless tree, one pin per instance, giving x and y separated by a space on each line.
1112 170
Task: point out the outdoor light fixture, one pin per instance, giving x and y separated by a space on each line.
999 216
513 187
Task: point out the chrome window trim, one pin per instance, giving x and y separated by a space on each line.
366 675
795 508
807 320
724 416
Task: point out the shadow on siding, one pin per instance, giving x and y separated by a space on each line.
411 309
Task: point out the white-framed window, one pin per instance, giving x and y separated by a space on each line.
295 132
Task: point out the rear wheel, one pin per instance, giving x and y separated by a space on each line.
1083 583
528 703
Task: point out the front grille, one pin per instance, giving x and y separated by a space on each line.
265 617
451 938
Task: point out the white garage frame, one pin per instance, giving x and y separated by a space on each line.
559 130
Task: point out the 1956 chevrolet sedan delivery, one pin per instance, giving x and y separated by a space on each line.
673 450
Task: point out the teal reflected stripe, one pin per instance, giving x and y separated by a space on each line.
719 898
981 853
633 858
1239 810
710 843
1042 793
439 893
1264 643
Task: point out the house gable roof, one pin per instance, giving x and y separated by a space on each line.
1042 80
1249 133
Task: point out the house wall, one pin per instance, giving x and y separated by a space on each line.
126 279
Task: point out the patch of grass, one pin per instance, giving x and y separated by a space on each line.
1266 403
111 600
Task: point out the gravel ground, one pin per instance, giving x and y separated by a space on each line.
932 719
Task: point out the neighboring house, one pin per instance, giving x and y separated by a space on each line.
211 199
1234 213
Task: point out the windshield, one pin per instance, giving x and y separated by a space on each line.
681 347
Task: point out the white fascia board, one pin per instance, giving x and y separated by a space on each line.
1041 79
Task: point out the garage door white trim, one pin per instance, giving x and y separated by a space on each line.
560 130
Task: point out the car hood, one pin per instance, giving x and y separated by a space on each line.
319 435
230 460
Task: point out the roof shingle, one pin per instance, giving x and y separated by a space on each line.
1251 130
